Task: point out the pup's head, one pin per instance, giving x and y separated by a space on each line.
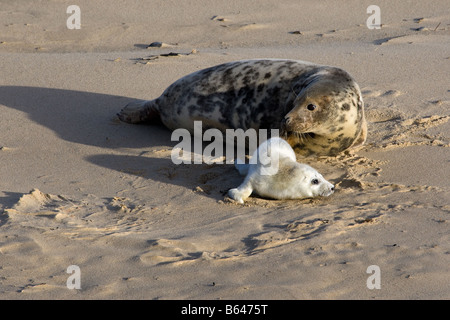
313 184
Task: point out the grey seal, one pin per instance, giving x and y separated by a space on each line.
276 174
318 109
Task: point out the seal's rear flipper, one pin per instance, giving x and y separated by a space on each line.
140 111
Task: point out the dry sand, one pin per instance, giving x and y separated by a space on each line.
80 188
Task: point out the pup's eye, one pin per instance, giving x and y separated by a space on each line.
315 181
311 107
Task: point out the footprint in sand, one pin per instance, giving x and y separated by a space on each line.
381 113
237 26
177 252
88 217
281 235
166 251
367 93
384 114
220 19
22 246
37 204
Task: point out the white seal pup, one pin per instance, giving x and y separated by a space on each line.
318 109
277 175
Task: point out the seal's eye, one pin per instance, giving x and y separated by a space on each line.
311 107
315 181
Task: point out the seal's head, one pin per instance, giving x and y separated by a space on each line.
293 180
311 183
327 113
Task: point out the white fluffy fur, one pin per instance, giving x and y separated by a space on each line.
276 174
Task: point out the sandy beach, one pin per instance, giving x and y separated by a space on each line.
80 188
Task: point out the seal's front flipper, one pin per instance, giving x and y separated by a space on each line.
139 111
242 192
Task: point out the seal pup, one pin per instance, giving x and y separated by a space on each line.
318 109
276 174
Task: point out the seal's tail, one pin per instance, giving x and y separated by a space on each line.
140 111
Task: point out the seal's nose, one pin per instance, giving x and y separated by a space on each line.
286 121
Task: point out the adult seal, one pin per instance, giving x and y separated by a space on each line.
318 109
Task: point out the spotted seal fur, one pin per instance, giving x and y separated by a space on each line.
318 109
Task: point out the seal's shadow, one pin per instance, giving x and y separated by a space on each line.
90 119
82 117
208 180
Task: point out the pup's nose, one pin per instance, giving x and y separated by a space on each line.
332 188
